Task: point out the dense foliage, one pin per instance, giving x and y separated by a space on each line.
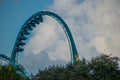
100 68
8 72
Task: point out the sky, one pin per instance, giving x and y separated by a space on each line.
94 25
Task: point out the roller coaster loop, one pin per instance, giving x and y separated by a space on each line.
25 30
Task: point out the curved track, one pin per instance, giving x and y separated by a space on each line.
25 30
19 67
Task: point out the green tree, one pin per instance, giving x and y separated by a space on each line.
103 67
8 72
78 70
52 73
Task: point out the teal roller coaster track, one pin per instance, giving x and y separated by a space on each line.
25 30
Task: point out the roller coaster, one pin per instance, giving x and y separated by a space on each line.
28 26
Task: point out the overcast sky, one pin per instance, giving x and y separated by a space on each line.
93 23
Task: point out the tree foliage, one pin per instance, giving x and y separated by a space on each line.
8 72
103 67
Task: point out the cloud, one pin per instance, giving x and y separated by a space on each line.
48 46
32 63
50 37
44 36
93 23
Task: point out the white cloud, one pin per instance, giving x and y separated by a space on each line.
60 51
50 37
93 23
43 36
